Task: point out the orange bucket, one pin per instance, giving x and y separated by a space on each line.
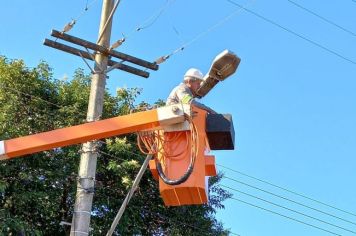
175 162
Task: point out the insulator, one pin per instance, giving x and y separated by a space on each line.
161 59
68 26
117 43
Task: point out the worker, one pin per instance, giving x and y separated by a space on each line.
186 92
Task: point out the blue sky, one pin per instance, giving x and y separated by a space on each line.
292 98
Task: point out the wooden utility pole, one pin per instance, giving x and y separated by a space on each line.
88 159
100 53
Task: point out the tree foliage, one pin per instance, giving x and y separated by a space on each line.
37 192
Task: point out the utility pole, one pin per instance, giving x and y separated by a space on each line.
88 159
101 50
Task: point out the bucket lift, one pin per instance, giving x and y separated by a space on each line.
180 130
180 136
182 164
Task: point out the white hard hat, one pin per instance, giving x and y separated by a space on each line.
193 73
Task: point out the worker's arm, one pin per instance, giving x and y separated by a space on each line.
186 97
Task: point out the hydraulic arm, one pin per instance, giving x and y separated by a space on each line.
152 119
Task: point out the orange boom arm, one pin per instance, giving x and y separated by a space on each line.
139 121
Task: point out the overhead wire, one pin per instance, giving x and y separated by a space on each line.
285 216
151 20
185 224
292 32
287 190
133 153
239 172
290 200
301 204
108 20
41 99
321 17
176 222
71 24
139 155
289 209
87 7
30 95
105 153
201 34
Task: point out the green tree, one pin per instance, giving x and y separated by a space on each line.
37 192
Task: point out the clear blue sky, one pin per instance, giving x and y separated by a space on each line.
293 103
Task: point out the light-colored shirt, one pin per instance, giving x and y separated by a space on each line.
180 94
183 94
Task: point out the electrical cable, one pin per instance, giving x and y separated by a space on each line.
108 20
323 18
184 224
87 7
148 24
70 25
41 99
178 181
200 35
292 211
1 85
133 153
288 217
99 151
153 142
217 164
289 209
292 32
154 18
287 199
287 190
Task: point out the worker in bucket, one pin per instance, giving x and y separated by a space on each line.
186 92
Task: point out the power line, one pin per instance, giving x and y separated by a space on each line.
287 190
70 24
105 153
155 17
283 206
200 35
146 24
284 198
287 199
110 155
102 152
108 20
289 209
185 224
288 217
323 18
292 32
86 8
41 99
217 164
133 153
30 95
104 142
